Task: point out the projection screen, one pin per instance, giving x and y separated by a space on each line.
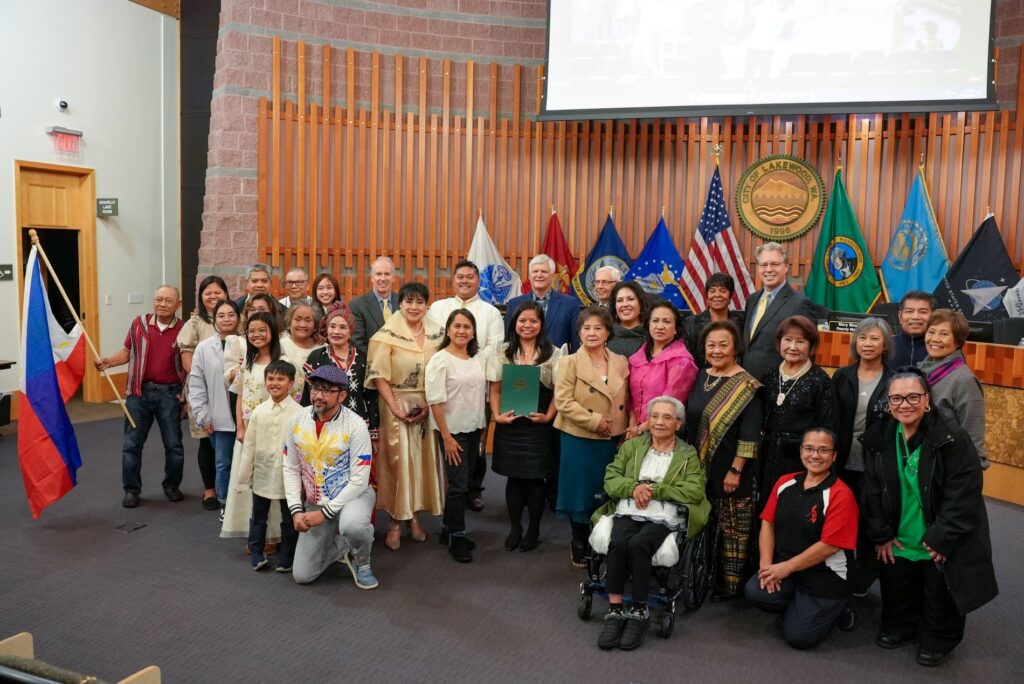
609 58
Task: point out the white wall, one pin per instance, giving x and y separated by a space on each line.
116 63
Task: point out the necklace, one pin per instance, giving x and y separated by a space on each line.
708 386
783 378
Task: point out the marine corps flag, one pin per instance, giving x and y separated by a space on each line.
842 275
607 251
977 281
557 248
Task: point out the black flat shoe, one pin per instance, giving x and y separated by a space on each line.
442 538
930 658
611 632
210 503
891 639
635 630
512 541
529 543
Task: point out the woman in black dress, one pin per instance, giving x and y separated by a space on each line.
797 396
525 447
723 421
336 330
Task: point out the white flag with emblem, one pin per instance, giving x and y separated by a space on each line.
498 282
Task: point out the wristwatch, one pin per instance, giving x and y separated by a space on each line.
734 470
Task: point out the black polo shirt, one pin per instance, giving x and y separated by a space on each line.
803 517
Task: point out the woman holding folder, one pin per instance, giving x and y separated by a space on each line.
521 373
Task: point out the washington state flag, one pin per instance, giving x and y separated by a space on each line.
842 275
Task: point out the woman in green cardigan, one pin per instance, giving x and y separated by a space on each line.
656 485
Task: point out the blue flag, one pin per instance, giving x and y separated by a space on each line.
607 251
916 258
659 268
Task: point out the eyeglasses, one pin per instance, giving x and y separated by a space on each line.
605 282
294 283
324 391
821 451
773 264
896 400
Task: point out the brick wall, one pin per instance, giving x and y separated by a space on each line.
505 32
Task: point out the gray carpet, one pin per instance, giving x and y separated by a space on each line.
173 594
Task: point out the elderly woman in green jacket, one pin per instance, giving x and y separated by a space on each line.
656 484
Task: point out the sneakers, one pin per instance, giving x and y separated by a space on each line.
259 561
611 633
459 549
130 500
284 566
362 575
637 620
221 516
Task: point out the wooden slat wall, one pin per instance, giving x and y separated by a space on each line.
338 189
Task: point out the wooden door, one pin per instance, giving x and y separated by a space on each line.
49 196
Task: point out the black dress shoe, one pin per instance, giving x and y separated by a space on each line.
512 541
930 658
130 500
530 541
847 619
443 539
173 493
718 596
891 639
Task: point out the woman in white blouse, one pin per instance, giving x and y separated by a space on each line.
455 386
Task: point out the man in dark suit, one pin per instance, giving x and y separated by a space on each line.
377 305
560 310
775 302
257 281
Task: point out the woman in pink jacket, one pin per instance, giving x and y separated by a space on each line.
661 367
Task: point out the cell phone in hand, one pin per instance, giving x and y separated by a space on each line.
414 412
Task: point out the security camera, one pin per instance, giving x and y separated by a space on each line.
62 105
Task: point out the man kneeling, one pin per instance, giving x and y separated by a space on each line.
808 534
327 453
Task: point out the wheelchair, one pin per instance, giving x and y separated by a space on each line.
683 570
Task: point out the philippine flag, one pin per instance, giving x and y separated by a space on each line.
52 366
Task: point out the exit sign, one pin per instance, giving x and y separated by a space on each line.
106 206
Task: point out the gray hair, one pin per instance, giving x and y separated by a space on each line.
257 268
677 405
614 272
380 259
872 323
542 259
772 247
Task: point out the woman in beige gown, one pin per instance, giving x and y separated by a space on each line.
408 479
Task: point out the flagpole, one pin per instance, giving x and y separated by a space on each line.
96 355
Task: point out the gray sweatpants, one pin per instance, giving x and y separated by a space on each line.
323 545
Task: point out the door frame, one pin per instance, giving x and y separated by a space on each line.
92 385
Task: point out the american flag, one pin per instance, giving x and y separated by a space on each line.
714 250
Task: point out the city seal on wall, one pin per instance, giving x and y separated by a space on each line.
780 197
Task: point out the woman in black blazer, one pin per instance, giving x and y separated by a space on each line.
860 390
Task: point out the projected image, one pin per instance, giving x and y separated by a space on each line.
621 54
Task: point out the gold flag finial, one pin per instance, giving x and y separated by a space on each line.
611 210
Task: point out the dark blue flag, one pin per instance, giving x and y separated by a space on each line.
659 268
976 282
607 251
